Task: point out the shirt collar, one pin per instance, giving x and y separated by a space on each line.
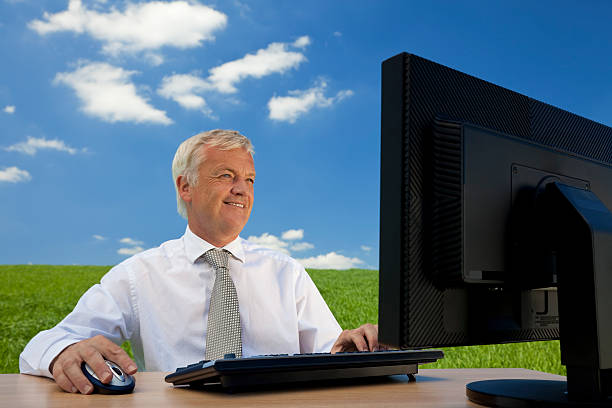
196 246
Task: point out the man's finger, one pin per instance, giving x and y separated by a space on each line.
114 353
343 343
351 340
64 383
337 347
95 360
121 358
371 335
75 375
364 338
358 340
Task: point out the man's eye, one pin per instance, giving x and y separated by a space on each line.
250 180
226 175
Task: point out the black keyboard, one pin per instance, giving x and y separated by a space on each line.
234 373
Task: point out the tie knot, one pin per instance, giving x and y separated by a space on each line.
218 258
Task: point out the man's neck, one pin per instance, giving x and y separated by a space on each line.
213 239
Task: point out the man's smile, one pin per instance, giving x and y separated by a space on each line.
235 204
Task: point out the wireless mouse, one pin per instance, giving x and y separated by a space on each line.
121 383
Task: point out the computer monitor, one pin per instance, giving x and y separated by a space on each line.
494 224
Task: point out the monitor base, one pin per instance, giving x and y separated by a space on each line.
525 393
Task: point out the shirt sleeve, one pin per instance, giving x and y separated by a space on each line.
106 309
318 328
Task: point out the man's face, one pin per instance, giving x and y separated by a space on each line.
221 202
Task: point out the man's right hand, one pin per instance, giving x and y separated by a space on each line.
66 367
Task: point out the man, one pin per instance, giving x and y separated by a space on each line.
160 299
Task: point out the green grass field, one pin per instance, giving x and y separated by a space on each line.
36 297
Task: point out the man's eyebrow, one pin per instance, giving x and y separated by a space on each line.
221 169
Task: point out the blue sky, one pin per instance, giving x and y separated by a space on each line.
95 97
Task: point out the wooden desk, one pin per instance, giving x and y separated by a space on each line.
433 388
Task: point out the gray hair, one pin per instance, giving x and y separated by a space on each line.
189 156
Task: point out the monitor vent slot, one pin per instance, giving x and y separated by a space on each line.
446 236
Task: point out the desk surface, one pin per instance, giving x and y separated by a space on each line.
433 388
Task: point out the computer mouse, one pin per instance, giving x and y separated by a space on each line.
121 383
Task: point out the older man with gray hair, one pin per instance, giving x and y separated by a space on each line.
204 294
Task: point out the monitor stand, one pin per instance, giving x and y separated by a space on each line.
518 393
579 228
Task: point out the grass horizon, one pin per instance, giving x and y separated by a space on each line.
37 297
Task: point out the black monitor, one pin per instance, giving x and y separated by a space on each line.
494 225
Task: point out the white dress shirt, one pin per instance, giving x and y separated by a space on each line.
159 300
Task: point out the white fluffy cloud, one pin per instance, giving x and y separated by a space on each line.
10 109
276 58
130 241
302 246
98 237
14 175
302 42
107 93
143 26
33 144
286 244
269 241
130 251
299 102
331 260
134 246
279 244
184 90
293 234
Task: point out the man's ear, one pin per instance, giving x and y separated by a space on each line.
184 189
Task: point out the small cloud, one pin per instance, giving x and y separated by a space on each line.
366 248
98 237
135 246
14 175
154 59
301 246
10 109
302 42
293 234
130 251
32 145
337 34
269 241
130 241
243 8
331 260
290 108
107 93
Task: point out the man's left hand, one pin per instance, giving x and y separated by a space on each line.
364 338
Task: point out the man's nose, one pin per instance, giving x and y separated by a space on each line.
240 186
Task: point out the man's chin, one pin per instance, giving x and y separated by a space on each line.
235 228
